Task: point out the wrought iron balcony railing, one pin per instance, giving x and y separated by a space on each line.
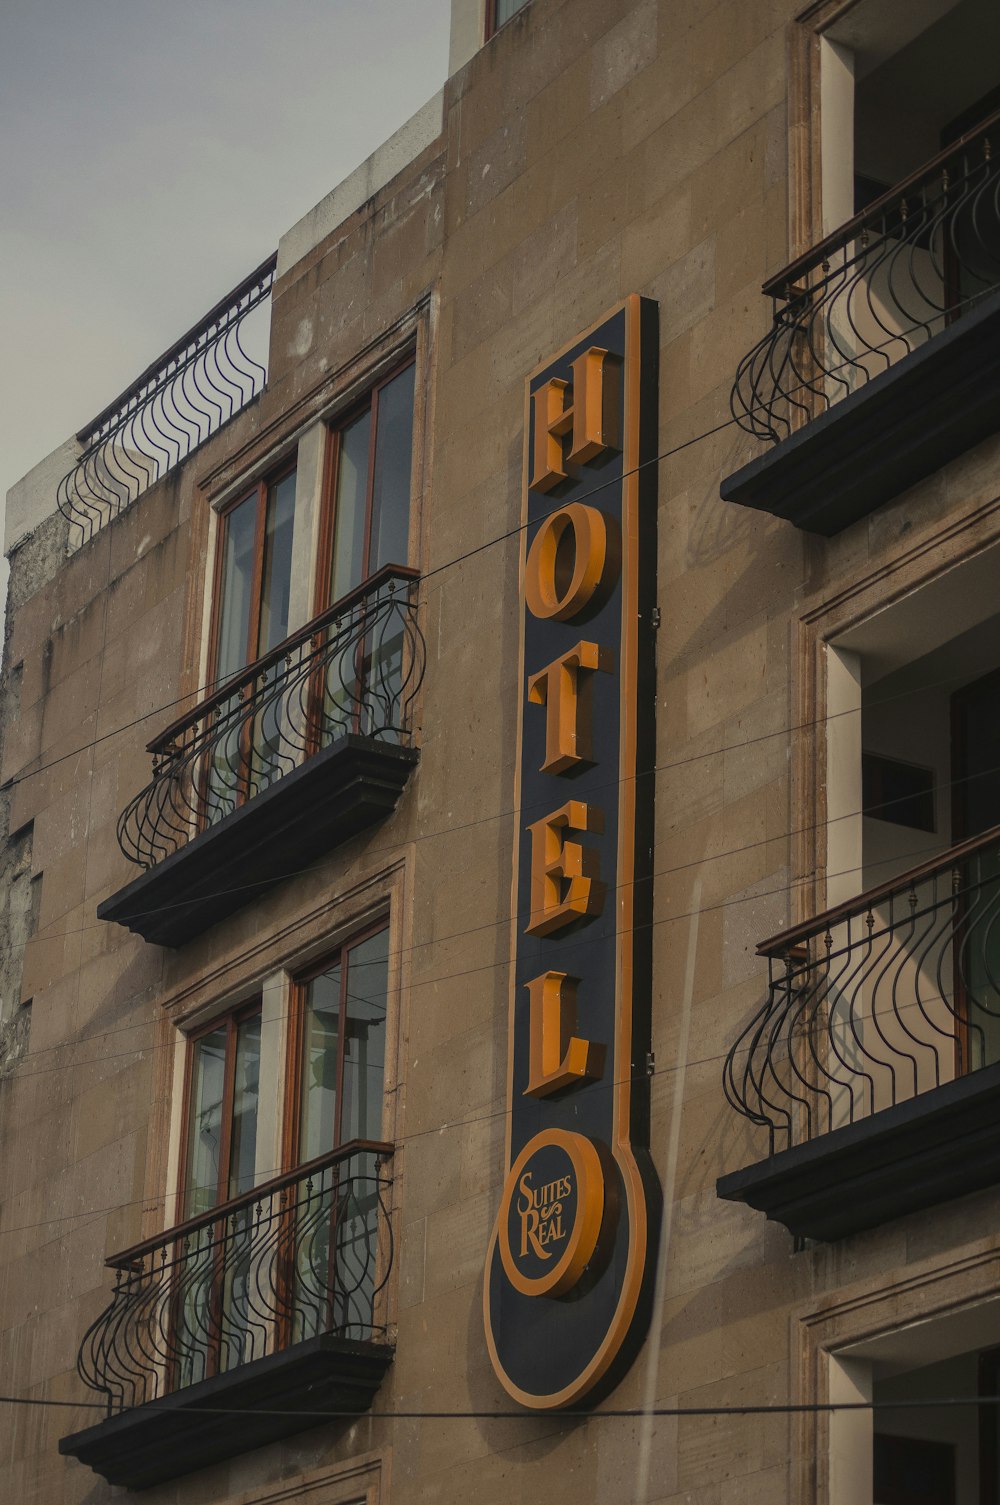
876 1001
885 283
195 387
303 1255
355 668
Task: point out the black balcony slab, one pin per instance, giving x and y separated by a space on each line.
934 1147
260 1402
872 445
341 790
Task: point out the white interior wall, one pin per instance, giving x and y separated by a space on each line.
958 1425
913 727
850 1382
844 850
836 132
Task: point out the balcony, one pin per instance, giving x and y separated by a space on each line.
251 1322
882 362
182 398
297 753
874 1064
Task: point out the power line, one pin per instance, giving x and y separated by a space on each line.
490 543
578 942
616 1413
402 1139
267 883
400 1142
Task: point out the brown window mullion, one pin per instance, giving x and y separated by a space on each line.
222 1195
366 553
366 557
246 737
338 1140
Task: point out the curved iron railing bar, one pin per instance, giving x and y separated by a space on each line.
119 1378
251 370
910 961
259 1303
91 1364
214 405
148 442
119 1345
939 945
734 1090
902 283
877 969
775 1058
251 1332
992 926
191 412
147 1332
968 929
827 1022
808 1002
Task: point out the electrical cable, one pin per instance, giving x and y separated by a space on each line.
811 826
574 943
490 543
616 1413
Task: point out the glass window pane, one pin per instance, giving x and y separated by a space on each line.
321 1024
204 1134
508 8
351 503
364 1038
393 462
246 1097
237 582
277 564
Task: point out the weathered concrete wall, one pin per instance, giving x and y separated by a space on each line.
595 148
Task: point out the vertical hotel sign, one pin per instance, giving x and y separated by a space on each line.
570 1263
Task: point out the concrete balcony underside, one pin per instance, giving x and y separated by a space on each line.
918 1154
319 1380
341 790
887 436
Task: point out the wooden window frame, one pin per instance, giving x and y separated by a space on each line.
292 1124
232 1020
262 490
989 1427
367 402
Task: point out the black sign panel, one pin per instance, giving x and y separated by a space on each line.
570 1264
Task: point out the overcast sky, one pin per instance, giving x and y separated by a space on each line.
154 151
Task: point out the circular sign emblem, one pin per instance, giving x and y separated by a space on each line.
550 1213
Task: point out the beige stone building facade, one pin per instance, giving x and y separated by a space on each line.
499 766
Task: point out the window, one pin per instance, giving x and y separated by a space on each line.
223 1093
498 12
341 1023
210 1314
368 514
337 1098
327 1265
254 572
336 1075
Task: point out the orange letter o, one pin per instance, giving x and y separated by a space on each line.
542 591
